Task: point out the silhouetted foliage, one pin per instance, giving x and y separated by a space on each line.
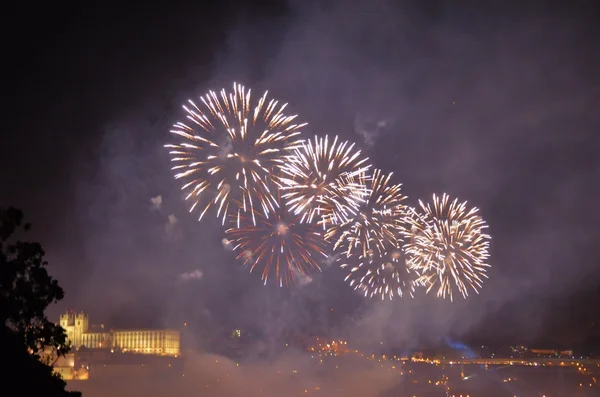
24 374
26 290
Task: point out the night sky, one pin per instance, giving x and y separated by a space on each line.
493 104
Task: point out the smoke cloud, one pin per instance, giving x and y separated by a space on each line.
193 275
293 374
493 108
156 202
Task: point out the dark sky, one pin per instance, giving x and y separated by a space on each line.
494 104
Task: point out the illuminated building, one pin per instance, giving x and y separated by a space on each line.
162 342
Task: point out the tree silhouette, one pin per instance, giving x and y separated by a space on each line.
26 290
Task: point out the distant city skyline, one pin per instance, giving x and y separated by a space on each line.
80 333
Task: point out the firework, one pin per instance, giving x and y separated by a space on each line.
371 241
383 273
229 145
279 244
322 179
377 224
447 246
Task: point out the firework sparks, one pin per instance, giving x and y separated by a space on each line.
377 224
383 274
447 246
280 244
371 240
230 144
322 179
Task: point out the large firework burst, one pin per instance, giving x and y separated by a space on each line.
447 246
230 144
383 273
279 244
370 241
377 224
323 179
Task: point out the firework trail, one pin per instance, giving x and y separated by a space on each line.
378 223
384 274
279 244
371 240
447 246
323 179
229 145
